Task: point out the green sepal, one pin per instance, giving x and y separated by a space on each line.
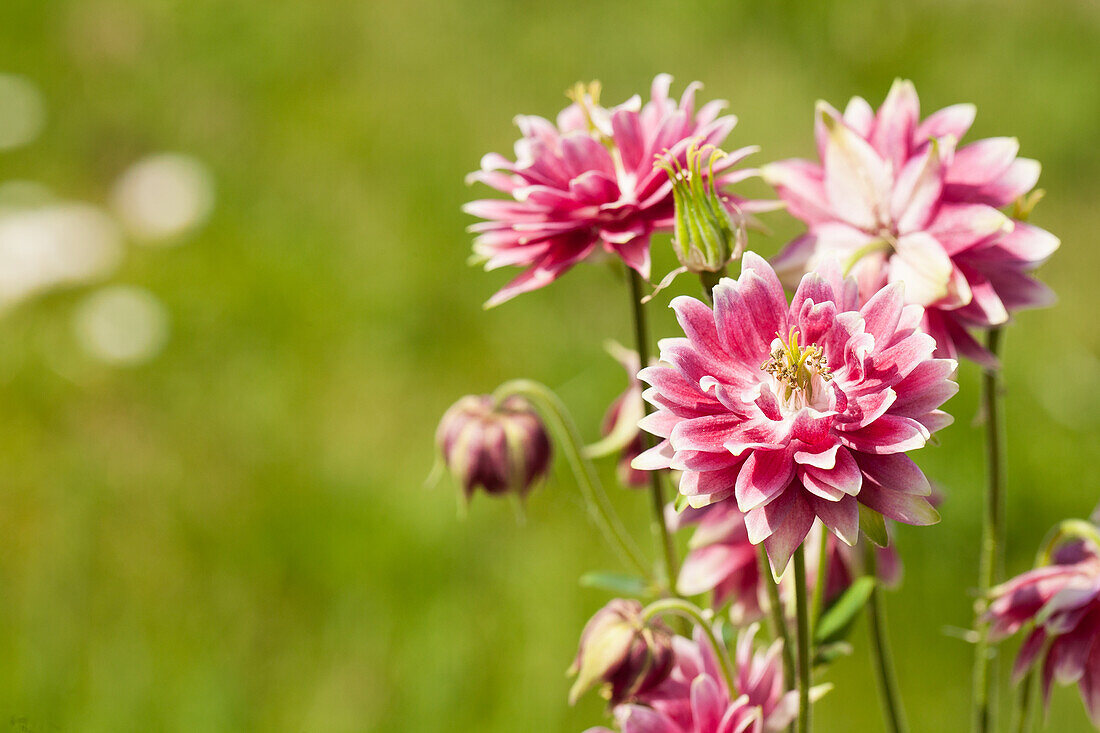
836 622
872 524
681 503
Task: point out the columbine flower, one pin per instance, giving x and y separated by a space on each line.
617 648
895 201
798 412
501 447
1063 602
721 559
588 183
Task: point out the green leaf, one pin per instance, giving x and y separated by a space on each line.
835 623
873 525
621 583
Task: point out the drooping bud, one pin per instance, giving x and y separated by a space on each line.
706 237
621 651
501 447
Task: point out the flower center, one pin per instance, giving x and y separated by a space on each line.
800 372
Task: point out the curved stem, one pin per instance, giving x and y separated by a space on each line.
992 532
693 613
599 507
822 579
656 488
802 614
1023 725
1064 530
778 617
892 709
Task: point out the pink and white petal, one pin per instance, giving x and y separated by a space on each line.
801 185
882 312
1017 290
1029 651
954 121
1090 685
917 189
960 227
901 507
763 476
927 387
895 472
825 459
655 458
1015 182
1025 243
842 517
889 434
844 476
788 535
922 264
791 262
859 116
895 123
708 703
857 180
981 162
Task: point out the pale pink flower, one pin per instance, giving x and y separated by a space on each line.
722 560
588 183
895 202
798 412
1062 600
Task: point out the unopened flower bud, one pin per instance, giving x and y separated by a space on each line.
618 649
501 447
706 238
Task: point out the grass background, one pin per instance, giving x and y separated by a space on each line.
235 536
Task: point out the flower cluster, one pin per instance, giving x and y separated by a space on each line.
786 423
896 202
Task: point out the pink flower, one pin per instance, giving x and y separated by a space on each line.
1063 602
588 183
500 448
798 412
694 697
721 559
896 202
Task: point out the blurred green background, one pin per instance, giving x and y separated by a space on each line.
235 534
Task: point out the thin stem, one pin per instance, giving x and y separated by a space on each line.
693 613
802 614
656 487
822 579
569 438
1023 725
892 710
778 618
992 540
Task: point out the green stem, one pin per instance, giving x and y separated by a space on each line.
693 613
569 438
992 532
656 487
777 616
892 709
1023 725
822 579
802 614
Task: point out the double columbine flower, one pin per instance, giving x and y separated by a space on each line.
1062 600
798 412
894 201
499 447
589 183
694 698
722 560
